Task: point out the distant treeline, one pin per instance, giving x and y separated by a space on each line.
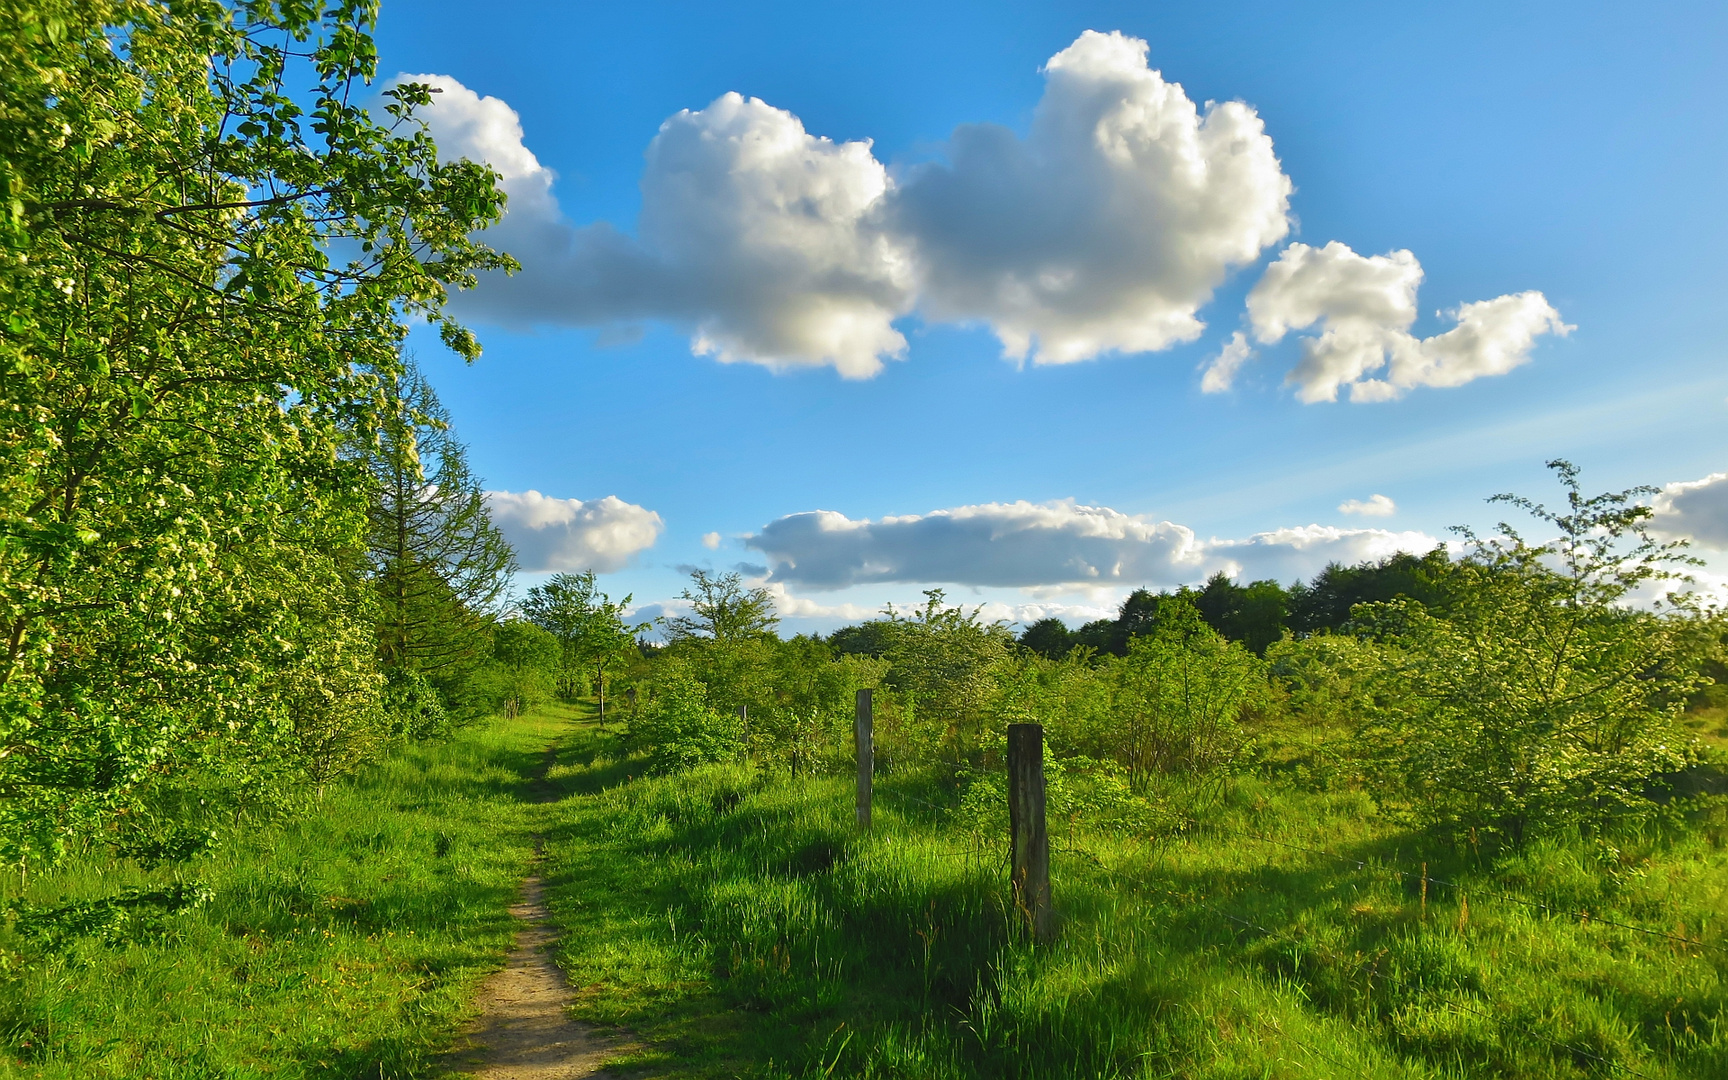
1260 612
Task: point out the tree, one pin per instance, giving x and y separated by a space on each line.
944 661
728 637
1178 697
722 610
184 354
1254 614
589 626
1048 637
561 607
1542 699
439 564
525 662
1325 603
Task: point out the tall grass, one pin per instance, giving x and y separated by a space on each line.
343 943
742 924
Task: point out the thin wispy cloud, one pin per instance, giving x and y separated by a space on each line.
1372 506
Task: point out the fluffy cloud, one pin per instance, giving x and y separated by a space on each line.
1108 226
1364 307
1696 510
1104 230
753 233
1026 544
1374 506
568 534
1305 550
711 541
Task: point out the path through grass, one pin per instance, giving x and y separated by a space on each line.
345 943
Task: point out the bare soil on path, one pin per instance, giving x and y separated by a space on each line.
524 1030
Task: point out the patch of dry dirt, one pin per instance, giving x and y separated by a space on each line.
524 1031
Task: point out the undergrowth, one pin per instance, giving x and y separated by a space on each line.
740 923
344 942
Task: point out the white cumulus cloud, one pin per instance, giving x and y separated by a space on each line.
1025 545
1696 510
1373 506
1109 225
711 541
754 234
569 534
1105 229
1364 307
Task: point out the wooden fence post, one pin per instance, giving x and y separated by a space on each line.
865 740
1031 842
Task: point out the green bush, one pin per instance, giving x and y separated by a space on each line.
678 729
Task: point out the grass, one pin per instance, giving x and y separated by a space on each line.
346 943
742 926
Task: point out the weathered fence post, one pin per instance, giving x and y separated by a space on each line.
1031 842
865 740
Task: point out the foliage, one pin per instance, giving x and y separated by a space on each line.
183 356
722 610
523 671
589 627
1541 700
438 563
678 727
943 662
1178 699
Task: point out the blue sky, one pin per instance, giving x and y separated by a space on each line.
1557 166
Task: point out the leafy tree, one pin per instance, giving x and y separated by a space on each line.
1543 699
1178 697
678 726
589 627
439 564
722 610
871 638
943 661
1255 614
561 606
1325 603
1048 637
524 667
184 354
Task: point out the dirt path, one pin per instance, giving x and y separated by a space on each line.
524 1031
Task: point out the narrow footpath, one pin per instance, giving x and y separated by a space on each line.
524 1030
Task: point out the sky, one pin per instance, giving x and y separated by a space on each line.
1038 303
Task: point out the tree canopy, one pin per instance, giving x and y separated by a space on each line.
208 250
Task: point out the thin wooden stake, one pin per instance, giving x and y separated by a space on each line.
1030 838
865 740
1424 892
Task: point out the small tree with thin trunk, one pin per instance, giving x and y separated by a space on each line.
1544 699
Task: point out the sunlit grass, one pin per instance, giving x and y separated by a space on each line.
344 943
743 925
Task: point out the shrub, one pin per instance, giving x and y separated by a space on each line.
678 728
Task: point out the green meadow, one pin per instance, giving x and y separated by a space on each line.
737 920
346 941
734 919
